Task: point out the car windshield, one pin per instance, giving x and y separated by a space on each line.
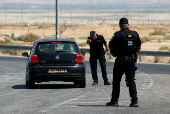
56 47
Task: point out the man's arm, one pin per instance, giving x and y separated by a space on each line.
112 42
112 45
88 41
138 44
108 52
138 49
105 44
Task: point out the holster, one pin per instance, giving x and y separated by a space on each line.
129 59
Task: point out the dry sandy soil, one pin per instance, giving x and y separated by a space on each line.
105 29
108 30
81 32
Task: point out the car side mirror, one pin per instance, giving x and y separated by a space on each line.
83 53
25 54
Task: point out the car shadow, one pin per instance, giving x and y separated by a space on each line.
47 86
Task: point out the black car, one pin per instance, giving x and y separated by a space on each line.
55 60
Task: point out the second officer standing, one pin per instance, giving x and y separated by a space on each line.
125 45
97 52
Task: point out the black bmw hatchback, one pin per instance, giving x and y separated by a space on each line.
55 60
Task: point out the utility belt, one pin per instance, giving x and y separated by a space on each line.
129 59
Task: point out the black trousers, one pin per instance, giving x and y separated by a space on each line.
118 71
93 64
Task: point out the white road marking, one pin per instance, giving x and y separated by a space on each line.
88 102
6 78
147 85
11 73
62 103
12 56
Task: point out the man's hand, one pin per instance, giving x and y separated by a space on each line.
89 40
108 52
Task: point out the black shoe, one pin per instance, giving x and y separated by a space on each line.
112 103
107 83
95 83
134 104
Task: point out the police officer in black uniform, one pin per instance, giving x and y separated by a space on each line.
97 52
125 45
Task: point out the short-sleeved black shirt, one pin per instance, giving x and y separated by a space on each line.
117 41
96 46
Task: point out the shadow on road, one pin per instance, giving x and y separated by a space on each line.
47 86
120 106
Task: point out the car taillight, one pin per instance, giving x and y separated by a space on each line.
79 58
34 59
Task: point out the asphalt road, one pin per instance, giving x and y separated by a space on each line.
153 86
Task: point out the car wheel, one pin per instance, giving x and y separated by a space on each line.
31 83
26 81
82 83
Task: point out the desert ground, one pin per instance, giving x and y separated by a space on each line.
81 32
154 33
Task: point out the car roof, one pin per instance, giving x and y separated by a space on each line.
55 40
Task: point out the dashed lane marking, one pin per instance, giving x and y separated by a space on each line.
148 83
10 73
62 103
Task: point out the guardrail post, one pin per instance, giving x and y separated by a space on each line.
155 59
109 56
140 58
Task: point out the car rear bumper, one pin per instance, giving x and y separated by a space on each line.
44 78
40 74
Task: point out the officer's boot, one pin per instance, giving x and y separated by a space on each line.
107 83
95 83
112 103
134 104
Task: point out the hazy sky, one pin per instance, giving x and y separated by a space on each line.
85 1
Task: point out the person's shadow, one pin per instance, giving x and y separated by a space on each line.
47 86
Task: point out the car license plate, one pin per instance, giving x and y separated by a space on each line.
57 71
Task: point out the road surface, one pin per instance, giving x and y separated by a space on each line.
153 86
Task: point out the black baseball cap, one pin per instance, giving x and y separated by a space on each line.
92 33
123 21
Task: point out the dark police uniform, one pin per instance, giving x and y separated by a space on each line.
124 63
97 52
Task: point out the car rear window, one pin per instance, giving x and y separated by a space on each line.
54 47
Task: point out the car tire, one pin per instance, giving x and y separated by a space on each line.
26 81
31 83
82 83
